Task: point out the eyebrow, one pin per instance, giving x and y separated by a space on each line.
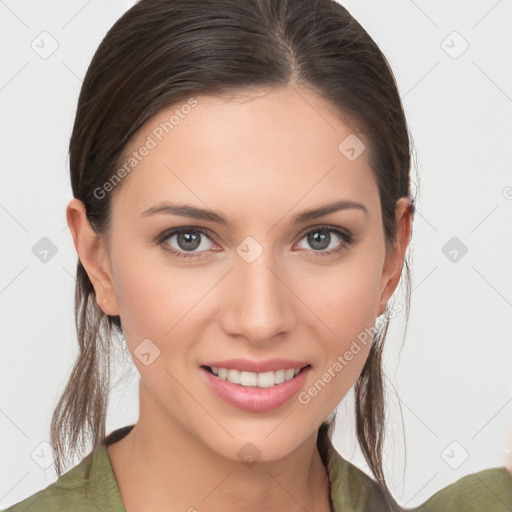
185 210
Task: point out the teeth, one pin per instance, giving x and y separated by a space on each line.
279 376
233 376
261 380
248 378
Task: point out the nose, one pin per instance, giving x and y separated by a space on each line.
259 306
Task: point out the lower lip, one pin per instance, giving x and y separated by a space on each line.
255 399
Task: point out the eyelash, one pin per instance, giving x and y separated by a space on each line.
346 237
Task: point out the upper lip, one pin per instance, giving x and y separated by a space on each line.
247 365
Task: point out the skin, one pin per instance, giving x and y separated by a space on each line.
257 160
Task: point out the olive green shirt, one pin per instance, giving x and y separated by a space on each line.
91 486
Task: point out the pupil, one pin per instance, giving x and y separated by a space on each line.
313 240
187 241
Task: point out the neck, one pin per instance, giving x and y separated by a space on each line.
169 465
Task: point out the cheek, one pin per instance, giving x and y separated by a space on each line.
345 298
344 302
351 315
154 298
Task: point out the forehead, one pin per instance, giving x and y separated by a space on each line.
245 156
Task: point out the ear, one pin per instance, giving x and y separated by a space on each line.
395 259
92 252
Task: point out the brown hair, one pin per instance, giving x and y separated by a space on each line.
161 52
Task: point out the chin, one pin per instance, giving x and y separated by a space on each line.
265 445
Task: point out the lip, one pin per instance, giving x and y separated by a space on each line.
253 398
247 365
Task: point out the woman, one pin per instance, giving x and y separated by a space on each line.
241 213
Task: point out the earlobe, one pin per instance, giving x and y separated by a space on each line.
395 260
93 255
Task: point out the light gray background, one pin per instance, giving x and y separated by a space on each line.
453 372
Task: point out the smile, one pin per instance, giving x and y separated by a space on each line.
255 391
260 380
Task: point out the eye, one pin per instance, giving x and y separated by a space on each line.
320 238
192 242
186 240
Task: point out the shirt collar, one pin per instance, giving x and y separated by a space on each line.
351 489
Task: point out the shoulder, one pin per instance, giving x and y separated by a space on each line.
66 493
489 490
89 486
353 490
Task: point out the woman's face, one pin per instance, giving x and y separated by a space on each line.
263 284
